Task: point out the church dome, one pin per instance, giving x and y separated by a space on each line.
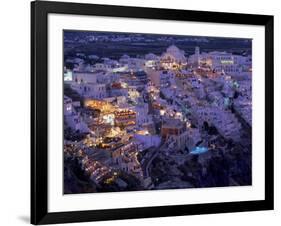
174 53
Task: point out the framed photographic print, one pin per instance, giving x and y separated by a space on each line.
145 112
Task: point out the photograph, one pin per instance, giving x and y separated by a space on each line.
144 112
148 111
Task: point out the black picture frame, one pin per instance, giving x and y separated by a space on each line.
39 112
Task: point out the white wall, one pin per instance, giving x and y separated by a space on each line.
14 124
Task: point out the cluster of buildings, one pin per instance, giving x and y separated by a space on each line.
170 102
96 171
